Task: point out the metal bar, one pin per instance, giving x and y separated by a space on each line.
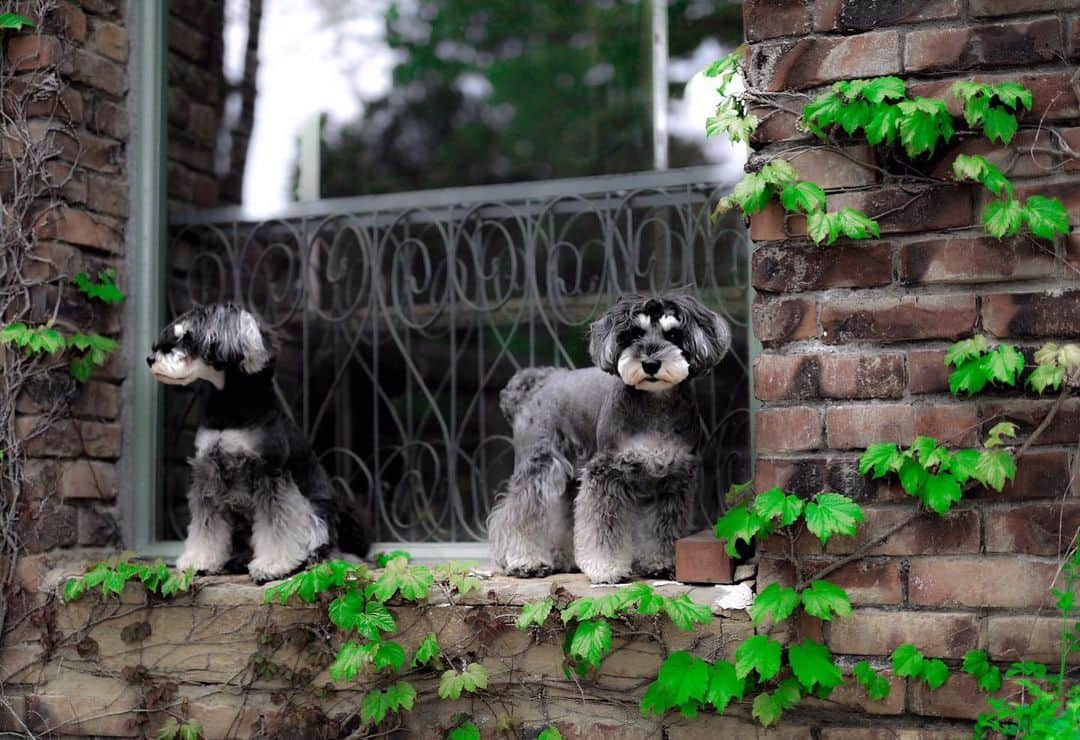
145 309
455 197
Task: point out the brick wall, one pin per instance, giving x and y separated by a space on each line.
854 335
72 75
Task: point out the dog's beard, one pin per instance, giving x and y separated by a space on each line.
674 369
179 368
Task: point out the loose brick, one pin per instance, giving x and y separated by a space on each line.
789 269
778 321
879 632
928 534
857 426
33 52
990 45
978 260
701 558
1015 638
798 64
787 377
898 319
1028 414
766 19
848 16
788 429
926 371
1032 529
983 8
877 375
966 581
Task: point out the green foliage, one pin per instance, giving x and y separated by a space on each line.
974 365
376 705
909 662
977 168
828 227
987 675
804 196
689 684
34 340
457 576
383 559
778 508
550 733
725 68
174 730
103 289
14 21
768 707
934 475
534 614
754 191
813 666
831 513
96 350
110 576
368 616
730 117
412 583
738 523
1051 364
590 642
825 600
464 731
992 107
1045 217
877 686
351 659
684 613
760 654
775 601
427 651
308 584
472 679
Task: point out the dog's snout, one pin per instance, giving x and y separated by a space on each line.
650 366
150 360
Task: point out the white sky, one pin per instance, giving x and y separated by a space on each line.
301 74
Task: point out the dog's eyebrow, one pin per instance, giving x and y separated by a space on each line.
179 329
669 321
643 320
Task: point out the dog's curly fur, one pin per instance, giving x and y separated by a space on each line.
606 467
254 477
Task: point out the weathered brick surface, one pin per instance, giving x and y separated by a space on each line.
795 65
784 268
764 19
779 321
926 371
789 429
1038 638
857 426
880 631
898 319
962 581
1032 529
803 377
1004 44
973 260
1031 314
982 8
854 15
1028 414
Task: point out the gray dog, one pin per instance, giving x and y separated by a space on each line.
605 467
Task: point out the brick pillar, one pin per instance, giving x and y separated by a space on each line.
854 335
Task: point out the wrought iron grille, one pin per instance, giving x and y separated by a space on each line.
401 317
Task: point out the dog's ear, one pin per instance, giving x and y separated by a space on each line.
604 346
232 336
708 336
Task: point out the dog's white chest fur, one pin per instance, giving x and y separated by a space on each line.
227 441
651 444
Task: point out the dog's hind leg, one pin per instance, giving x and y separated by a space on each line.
286 530
604 513
664 518
530 524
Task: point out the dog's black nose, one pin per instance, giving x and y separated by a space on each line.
149 360
650 366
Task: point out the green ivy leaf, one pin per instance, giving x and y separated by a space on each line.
351 659
739 523
923 122
471 680
731 121
74 589
191 730
832 513
389 655
935 673
1004 364
774 503
377 704
877 686
751 194
963 464
1013 93
881 457
779 172
822 227
1046 376
775 600
15 21
591 641
580 609
822 112
853 116
367 616
907 661
464 731
994 468
383 559
684 677
987 676
803 196
856 225
171 727
999 430
940 492
884 124
999 125
724 685
880 89
1002 218
550 733
426 651
684 613
823 600
103 290
758 653
966 349
534 613
1045 217
785 697
813 665
413 583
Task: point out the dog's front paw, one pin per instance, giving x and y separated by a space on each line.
605 572
263 570
202 563
658 568
528 568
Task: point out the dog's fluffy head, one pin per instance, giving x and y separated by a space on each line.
656 343
206 342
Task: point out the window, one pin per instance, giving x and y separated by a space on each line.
422 197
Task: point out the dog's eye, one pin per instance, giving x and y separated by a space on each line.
674 335
635 333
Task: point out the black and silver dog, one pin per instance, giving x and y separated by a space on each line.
605 468
254 474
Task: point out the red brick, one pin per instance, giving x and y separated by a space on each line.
110 119
1039 474
788 429
810 475
189 42
899 210
966 581
69 438
108 195
990 45
1067 192
787 377
892 733
1072 36
766 19
851 697
959 698
1027 155
111 40
795 268
879 632
898 319
98 400
870 581
807 62
926 371
97 527
929 534
1015 638
68 20
856 426
1028 414
857 15
701 558
1051 99
877 375
81 227
1016 7
98 72
978 260
847 167
776 125
778 321
1032 529
1031 314
34 52
87 479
